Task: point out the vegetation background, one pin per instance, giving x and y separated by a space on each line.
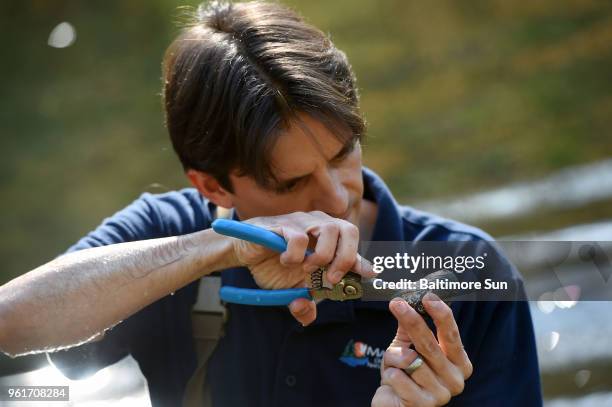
460 97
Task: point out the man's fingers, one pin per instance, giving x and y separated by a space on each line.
428 381
412 324
448 333
401 357
384 397
446 327
297 243
346 252
305 311
325 249
427 346
363 267
405 388
336 246
396 307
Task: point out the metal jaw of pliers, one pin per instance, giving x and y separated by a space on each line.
349 288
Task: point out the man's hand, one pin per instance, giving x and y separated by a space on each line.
446 366
333 242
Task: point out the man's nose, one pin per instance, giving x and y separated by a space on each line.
331 195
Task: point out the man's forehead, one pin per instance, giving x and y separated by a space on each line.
304 143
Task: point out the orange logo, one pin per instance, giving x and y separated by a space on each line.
359 349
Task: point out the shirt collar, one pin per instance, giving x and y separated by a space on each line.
388 224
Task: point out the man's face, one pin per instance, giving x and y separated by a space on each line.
316 172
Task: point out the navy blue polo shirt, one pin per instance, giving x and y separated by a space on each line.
268 359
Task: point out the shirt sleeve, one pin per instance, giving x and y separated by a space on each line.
138 221
150 216
499 339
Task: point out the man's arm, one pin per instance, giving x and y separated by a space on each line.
76 297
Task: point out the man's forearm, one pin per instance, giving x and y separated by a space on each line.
77 296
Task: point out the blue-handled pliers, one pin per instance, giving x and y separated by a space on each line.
348 288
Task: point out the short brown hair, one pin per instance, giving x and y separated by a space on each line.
238 74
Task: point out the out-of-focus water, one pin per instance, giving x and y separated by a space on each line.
584 333
569 188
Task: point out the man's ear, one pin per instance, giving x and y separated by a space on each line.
210 188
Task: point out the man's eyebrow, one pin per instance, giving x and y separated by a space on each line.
347 148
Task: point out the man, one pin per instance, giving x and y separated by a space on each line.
263 113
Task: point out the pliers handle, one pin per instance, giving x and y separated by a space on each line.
266 238
347 289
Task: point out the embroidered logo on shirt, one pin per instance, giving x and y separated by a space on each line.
361 354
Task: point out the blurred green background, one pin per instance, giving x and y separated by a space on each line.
461 97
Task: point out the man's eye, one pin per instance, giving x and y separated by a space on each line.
287 186
340 158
